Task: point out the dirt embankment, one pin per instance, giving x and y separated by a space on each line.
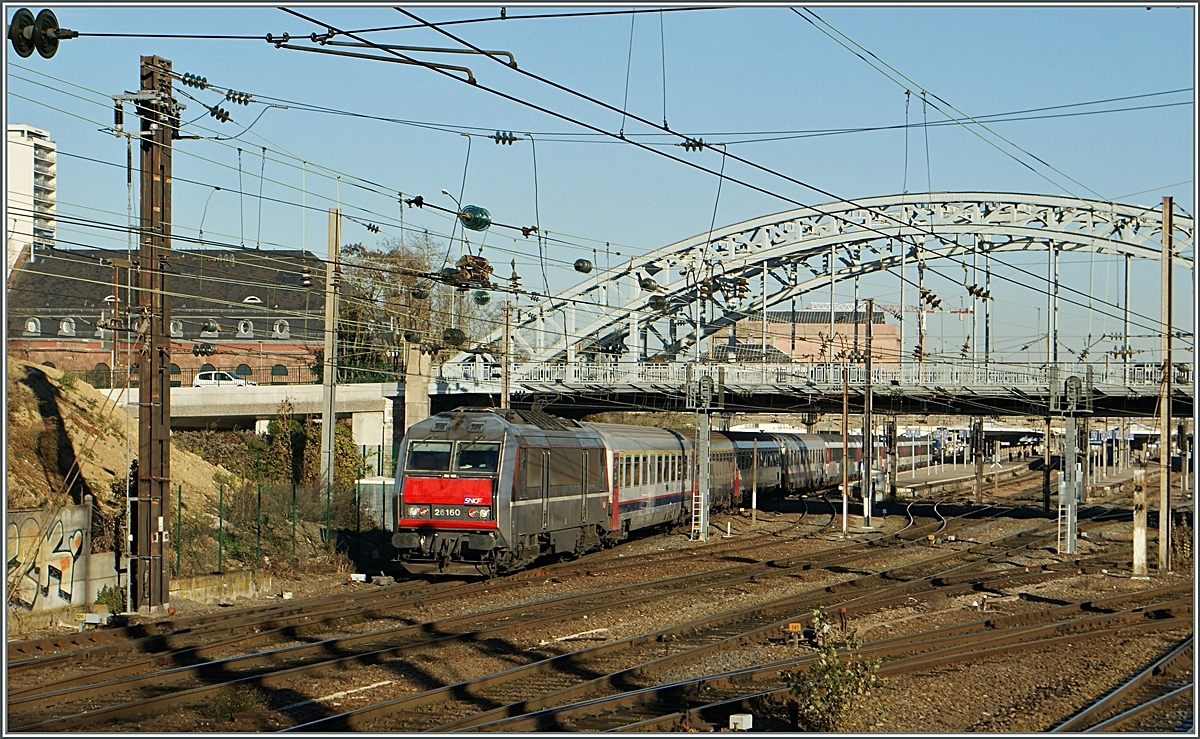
67 440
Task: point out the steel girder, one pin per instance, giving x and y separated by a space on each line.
602 313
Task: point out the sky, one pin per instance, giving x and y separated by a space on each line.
724 75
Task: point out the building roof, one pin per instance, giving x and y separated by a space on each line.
215 280
204 283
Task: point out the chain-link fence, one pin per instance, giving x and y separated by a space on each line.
255 524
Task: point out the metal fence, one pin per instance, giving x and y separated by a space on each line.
930 374
254 524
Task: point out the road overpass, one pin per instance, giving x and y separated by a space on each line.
371 406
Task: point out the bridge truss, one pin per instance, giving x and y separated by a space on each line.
661 306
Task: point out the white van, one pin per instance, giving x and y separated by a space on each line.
220 379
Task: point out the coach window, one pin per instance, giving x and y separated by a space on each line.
429 456
595 469
531 463
476 457
637 470
566 467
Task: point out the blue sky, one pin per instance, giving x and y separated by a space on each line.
727 71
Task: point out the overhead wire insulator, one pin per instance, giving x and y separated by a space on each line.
692 144
192 80
481 297
505 137
475 218
415 202
583 266
306 277
372 228
240 98
220 114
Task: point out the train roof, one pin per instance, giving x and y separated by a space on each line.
516 417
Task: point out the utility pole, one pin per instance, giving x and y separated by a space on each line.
329 371
1168 369
845 447
1069 482
893 445
701 402
754 487
149 583
977 452
868 477
505 362
921 312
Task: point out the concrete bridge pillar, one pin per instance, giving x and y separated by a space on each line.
417 373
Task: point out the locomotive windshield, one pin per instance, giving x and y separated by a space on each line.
476 457
429 456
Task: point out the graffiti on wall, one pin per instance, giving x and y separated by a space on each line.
49 564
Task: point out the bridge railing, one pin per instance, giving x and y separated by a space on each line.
824 375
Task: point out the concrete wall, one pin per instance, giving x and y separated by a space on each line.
49 548
210 589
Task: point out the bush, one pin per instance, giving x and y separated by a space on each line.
826 691
67 381
234 699
112 598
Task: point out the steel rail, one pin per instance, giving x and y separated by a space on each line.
1080 721
1139 710
947 649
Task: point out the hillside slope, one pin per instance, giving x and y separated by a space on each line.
58 423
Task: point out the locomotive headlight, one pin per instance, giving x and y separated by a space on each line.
483 512
414 511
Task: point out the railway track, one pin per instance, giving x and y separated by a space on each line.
866 592
1151 690
186 665
158 690
708 700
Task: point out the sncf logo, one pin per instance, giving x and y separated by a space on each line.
472 501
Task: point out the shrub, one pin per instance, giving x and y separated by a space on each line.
826 691
112 598
235 699
67 381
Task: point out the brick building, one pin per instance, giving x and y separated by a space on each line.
250 304
803 335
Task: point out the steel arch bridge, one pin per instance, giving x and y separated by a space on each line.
659 306
630 337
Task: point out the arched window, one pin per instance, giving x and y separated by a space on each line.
32 326
243 370
175 373
100 376
206 367
252 299
279 375
49 364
